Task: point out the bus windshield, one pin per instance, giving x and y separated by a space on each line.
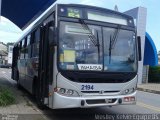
119 50
78 51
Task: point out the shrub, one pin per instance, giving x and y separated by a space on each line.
154 74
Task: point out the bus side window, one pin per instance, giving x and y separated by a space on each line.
28 48
19 49
24 43
25 49
32 43
22 49
35 46
28 40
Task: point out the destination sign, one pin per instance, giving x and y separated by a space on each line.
72 12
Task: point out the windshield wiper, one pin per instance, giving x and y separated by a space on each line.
110 49
113 42
92 37
98 46
115 36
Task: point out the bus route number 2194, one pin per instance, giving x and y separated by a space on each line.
87 87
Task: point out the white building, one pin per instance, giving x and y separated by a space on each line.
3 53
148 49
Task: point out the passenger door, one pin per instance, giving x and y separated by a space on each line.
45 62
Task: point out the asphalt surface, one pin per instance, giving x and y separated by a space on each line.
147 108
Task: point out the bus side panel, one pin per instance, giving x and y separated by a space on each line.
21 70
31 72
29 75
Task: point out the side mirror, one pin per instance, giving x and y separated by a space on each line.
139 48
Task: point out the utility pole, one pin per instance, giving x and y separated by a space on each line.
116 8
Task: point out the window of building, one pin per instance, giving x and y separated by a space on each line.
11 49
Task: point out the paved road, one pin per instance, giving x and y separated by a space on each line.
147 103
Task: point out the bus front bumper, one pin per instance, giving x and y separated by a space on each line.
61 101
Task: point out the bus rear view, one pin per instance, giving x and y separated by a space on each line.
92 58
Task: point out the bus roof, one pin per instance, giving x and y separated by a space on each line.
47 12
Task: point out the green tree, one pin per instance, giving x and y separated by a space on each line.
154 74
10 43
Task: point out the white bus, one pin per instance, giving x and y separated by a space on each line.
78 56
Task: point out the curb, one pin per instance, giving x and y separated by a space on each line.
148 90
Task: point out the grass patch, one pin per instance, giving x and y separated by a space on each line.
6 97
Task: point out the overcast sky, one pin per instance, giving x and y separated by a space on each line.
10 33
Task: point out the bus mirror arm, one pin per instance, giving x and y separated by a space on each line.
139 48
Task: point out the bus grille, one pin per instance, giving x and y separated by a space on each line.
100 92
100 101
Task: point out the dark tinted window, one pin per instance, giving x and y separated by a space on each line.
35 42
28 39
37 35
23 43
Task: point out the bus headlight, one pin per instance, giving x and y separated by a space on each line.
68 92
128 91
62 91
